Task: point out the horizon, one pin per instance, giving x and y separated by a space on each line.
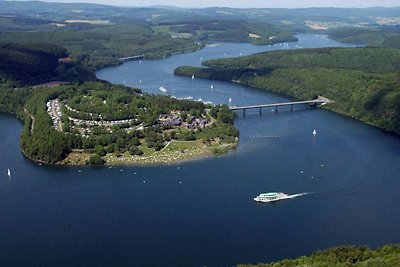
289 4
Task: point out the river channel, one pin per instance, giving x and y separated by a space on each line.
202 213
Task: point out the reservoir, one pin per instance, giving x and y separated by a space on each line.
202 213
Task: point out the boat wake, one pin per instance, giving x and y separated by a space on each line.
299 195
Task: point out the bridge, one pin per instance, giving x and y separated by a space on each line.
315 102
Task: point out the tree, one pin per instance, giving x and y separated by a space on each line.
96 160
99 150
134 150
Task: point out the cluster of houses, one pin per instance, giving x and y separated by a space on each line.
54 110
171 120
102 122
175 120
77 111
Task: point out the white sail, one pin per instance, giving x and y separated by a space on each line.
192 76
314 132
8 172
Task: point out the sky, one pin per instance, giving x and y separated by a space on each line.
244 4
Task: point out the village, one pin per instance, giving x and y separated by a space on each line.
175 119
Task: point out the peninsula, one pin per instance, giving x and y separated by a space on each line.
99 123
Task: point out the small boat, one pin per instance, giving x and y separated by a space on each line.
192 76
212 86
8 172
314 132
271 197
230 100
162 89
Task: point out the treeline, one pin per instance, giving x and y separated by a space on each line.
363 82
365 59
357 256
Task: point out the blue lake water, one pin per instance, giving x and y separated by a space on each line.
202 213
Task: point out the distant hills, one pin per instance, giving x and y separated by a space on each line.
291 18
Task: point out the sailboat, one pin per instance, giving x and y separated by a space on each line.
212 86
192 76
230 99
314 132
8 172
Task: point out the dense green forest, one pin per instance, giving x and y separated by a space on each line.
104 45
105 102
357 256
96 48
227 30
364 59
382 36
22 64
363 82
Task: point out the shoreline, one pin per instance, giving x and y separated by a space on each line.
201 156
192 153
291 97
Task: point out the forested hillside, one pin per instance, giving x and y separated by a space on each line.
22 64
383 36
363 82
97 48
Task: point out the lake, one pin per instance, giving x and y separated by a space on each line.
202 213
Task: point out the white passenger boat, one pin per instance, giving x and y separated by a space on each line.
271 197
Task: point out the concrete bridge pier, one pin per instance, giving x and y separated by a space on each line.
291 107
260 110
276 108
